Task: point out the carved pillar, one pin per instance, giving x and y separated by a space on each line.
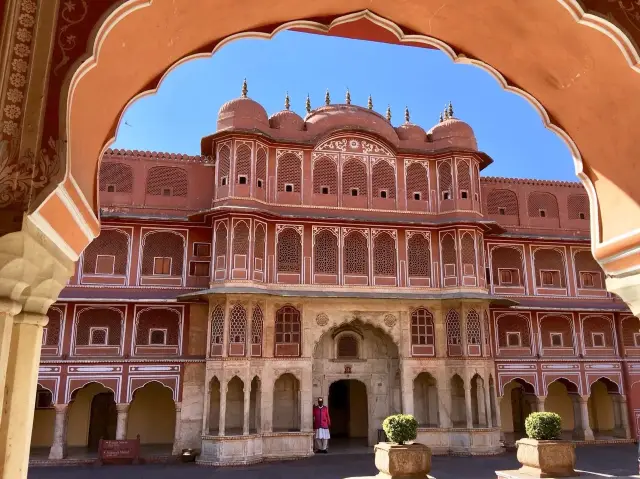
498 400
266 404
482 411
247 409
408 407
487 404
207 405
177 443
123 417
59 446
624 415
440 331
540 403
584 411
8 309
223 408
445 404
467 405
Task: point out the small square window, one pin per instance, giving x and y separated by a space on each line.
158 336
383 193
259 183
598 340
502 211
464 195
166 191
506 276
288 188
587 280
417 196
199 268
105 264
582 216
543 213
242 179
325 190
161 265
354 191
223 181
513 340
547 278
556 340
111 188
202 249
98 336
446 195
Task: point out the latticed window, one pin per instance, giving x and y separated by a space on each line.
630 328
238 324
261 168
454 335
221 244
507 265
289 251
257 320
224 161
325 253
356 254
513 324
289 172
243 163
419 256
98 336
158 337
354 178
556 331
217 325
384 255
474 336
542 205
464 179
113 246
578 206
150 321
597 332
167 181
52 336
549 265
502 202
99 318
347 347
288 325
468 254
448 246
417 181
259 243
116 177
383 178
422 327
445 180
587 269
487 331
241 238
325 176
163 244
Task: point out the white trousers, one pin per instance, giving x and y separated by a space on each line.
321 444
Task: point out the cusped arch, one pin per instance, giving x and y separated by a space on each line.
572 386
613 386
132 392
71 394
527 385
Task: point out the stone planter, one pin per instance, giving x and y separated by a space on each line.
395 461
546 458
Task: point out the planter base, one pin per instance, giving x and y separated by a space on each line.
408 461
520 475
546 458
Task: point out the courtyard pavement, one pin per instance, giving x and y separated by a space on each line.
611 461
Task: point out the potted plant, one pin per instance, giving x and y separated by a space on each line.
397 458
542 453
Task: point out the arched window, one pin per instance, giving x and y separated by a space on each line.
325 176
542 205
588 272
549 267
167 181
474 335
464 180
445 180
257 321
356 254
468 255
448 245
454 336
259 246
261 168
116 177
383 180
578 207
243 164
158 326
289 251
162 254
241 244
217 330
422 328
419 255
289 173
506 266
347 347
354 178
107 254
224 161
514 331
51 332
417 182
288 332
237 330
504 203
325 253
98 326
597 332
384 255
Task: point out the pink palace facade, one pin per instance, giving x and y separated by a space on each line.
333 255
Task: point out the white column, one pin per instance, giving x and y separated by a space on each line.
467 404
498 400
444 406
482 411
487 404
223 408
121 424
207 406
624 415
247 408
540 403
177 443
8 309
584 410
59 446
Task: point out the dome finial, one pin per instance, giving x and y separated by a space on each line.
327 98
450 110
406 114
370 103
388 112
287 103
308 104
441 118
347 98
445 113
245 89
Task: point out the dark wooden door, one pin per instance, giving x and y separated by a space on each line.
103 418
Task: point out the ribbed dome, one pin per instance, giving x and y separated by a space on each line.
410 131
454 133
243 113
286 120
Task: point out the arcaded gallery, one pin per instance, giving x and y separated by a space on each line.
333 255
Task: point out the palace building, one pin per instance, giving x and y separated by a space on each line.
333 255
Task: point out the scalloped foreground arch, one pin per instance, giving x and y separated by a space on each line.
577 74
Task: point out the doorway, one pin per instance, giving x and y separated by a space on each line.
348 409
103 419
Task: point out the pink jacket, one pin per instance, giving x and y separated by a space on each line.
321 419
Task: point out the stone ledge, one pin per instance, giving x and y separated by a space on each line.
515 474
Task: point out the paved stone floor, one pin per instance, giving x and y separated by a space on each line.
611 461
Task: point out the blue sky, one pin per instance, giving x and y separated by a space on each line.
186 106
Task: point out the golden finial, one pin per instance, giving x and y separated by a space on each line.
287 103
370 103
327 98
450 110
441 118
245 90
308 104
406 114
389 113
445 113
347 98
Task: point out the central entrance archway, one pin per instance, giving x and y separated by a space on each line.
348 408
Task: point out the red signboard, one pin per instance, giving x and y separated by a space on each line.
118 452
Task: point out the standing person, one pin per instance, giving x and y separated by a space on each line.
321 425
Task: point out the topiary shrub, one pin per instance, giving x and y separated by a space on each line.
543 426
400 428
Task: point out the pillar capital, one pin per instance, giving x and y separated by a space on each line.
122 407
583 398
9 306
36 319
61 408
178 406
